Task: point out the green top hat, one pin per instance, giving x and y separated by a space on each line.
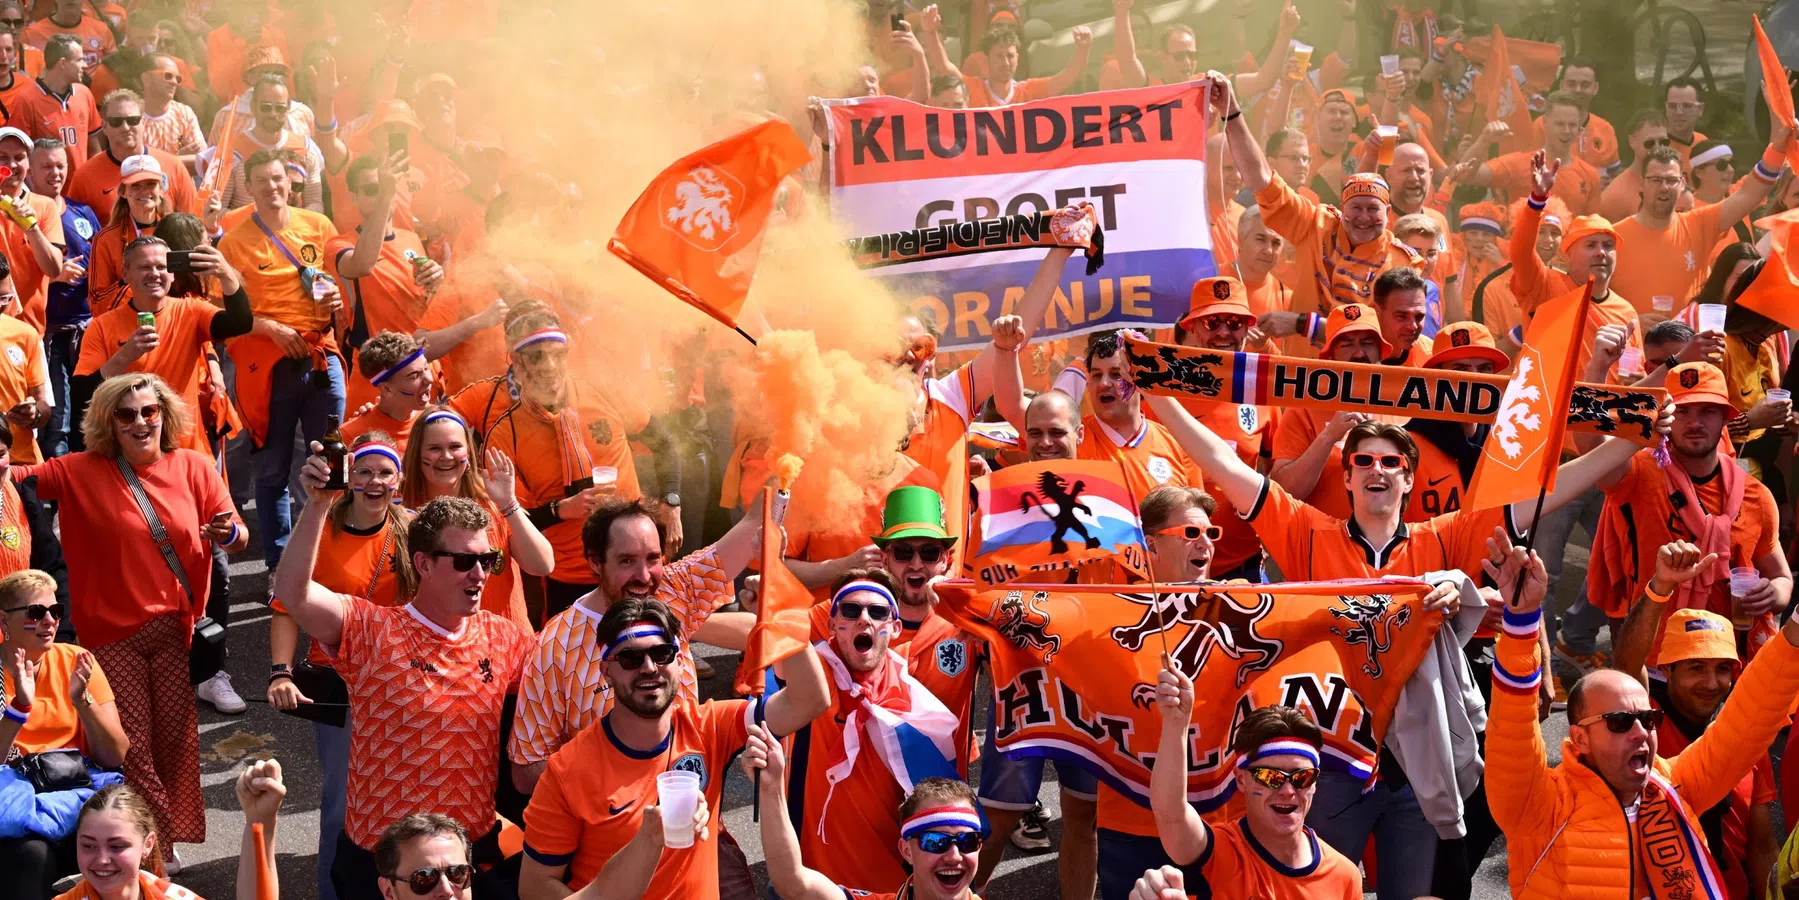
913 511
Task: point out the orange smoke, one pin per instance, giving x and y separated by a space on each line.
787 470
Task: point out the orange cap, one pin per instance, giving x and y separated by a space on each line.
1350 318
1584 226
1222 295
1696 634
261 57
1697 382
1465 340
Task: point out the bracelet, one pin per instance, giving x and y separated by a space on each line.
556 509
326 129
232 539
13 714
277 676
1236 115
1649 592
508 512
1767 171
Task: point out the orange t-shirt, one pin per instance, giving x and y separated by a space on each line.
1623 197
1577 182
1685 148
860 839
28 279
95 183
590 801
1597 144
1309 545
1224 234
68 119
184 331
113 563
376 420
941 443
357 563
389 299
484 354
271 279
21 370
980 94
1533 283
1149 459
427 722
94 34
106 288
1667 262
1235 864
55 723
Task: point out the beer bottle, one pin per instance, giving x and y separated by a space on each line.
337 455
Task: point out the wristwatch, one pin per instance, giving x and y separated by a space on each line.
671 499
84 701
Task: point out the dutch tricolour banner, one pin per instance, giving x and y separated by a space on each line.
1138 156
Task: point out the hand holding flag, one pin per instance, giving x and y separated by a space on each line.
782 624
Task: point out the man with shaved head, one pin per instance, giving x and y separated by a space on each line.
1052 426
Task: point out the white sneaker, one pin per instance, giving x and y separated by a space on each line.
171 867
217 691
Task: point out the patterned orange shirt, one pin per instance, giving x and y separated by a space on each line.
564 688
425 733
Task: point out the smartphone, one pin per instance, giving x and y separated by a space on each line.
398 141
896 19
578 485
181 261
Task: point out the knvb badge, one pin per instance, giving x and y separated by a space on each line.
699 208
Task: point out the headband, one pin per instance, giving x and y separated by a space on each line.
873 587
1722 151
1366 184
1283 747
538 337
641 629
394 369
927 819
445 415
1480 223
378 449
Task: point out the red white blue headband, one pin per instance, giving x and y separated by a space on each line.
640 630
873 587
446 415
538 337
394 369
378 449
1286 747
930 819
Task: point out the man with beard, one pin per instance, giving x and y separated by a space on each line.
1119 432
940 829
1684 107
269 130
1308 442
1568 829
1270 852
1662 252
1648 130
1510 175
561 691
1694 672
595 792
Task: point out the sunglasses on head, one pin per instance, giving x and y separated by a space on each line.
424 881
490 561
124 121
927 553
1192 532
126 415
632 657
1620 722
1274 779
36 612
941 841
852 610
1392 462
267 107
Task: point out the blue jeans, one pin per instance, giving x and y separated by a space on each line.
297 412
333 746
61 351
1579 623
1405 842
1123 858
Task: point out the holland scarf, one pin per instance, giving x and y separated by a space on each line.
1671 850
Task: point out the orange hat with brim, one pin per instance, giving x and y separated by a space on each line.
1696 634
390 112
1466 340
1218 296
1586 226
1353 317
1697 382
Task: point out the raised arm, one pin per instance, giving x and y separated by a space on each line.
259 794
1676 563
1124 46
806 696
1184 835
1008 378
742 542
766 764
1530 275
1752 191
1601 468
373 236
1245 151
529 548
1240 483
905 40
1265 78
1516 754
1031 309
317 609
931 20
1062 82
1300 475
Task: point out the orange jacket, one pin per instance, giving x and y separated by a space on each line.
1565 832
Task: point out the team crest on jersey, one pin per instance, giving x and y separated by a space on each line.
692 762
601 431
309 254
952 658
1689 379
700 208
1160 469
84 228
15 356
1248 418
9 537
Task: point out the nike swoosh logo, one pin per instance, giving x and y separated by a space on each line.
264 266
1436 481
619 809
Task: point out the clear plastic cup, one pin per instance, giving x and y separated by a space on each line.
1302 53
1389 64
604 476
1662 303
1779 394
1630 362
678 793
1711 317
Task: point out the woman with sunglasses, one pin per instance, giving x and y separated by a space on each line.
56 698
1270 852
437 464
362 553
137 606
144 200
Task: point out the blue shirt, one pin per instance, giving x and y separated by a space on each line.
66 303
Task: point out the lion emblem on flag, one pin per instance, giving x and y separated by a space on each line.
1169 368
1372 624
1518 408
702 209
1018 619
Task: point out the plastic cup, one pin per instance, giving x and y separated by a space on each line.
1302 54
1662 303
1711 317
1779 394
678 793
605 475
1742 578
1389 138
1630 362
1389 64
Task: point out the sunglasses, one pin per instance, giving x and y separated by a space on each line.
1620 722
38 611
1653 143
126 415
876 612
1274 779
424 881
371 189
170 77
1392 462
941 841
1192 532
12 24
267 107
124 121
632 657
927 553
1223 321
463 562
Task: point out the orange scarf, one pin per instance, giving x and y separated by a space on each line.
150 888
1710 532
576 462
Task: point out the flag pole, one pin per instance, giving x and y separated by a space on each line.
746 335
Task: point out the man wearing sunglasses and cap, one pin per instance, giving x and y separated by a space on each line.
1308 443
1614 811
1696 665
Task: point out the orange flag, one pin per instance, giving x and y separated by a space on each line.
1501 99
1775 292
1524 445
265 879
1775 88
783 622
697 229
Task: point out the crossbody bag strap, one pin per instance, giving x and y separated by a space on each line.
157 532
278 242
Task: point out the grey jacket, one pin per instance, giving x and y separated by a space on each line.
1440 715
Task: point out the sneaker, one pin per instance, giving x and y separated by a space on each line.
702 668
171 867
217 691
1032 833
1560 703
1582 664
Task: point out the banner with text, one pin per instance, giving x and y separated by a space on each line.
1138 156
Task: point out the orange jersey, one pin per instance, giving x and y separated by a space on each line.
1330 270
941 656
1235 864
1441 480
21 370
357 563
55 723
1149 459
1668 261
1250 431
94 34
10 97
70 119
106 288
183 330
387 297
941 443
376 420
1308 545
28 279
427 721
564 689
590 801
1534 284
1597 144
1298 429
272 279
981 94
1224 234
1577 182
95 183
